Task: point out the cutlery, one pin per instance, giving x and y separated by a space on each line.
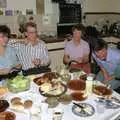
108 103
116 100
78 105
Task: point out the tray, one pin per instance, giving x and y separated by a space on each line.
53 95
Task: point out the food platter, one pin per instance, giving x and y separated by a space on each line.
47 77
102 90
49 85
83 109
56 91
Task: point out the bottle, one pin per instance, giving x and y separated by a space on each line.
89 84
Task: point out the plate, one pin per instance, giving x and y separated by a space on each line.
86 111
102 90
54 92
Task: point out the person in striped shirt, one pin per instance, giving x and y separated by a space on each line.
32 52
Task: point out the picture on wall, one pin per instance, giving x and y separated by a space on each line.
3 3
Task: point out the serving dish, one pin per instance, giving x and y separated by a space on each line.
46 77
55 90
18 84
102 90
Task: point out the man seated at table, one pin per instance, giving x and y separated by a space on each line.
32 52
78 50
109 61
8 58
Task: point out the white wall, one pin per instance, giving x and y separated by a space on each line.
51 8
102 6
21 5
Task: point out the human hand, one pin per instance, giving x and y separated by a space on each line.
36 62
17 67
79 59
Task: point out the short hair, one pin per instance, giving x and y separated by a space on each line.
30 24
79 27
5 30
99 44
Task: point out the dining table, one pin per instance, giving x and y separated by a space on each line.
46 113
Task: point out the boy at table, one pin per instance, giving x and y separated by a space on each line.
108 60
78 50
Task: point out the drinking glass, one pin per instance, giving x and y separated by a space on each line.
100 107
57 114
35 113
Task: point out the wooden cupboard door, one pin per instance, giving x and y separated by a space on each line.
40 6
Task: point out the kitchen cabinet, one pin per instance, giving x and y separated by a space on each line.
40 6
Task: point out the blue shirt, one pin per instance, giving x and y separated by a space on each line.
9 59
112 61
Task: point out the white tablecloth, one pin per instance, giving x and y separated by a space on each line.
67 109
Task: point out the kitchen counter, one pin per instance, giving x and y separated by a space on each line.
46 39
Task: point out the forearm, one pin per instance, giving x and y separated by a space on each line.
4 71
45 60
66 59
106 75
